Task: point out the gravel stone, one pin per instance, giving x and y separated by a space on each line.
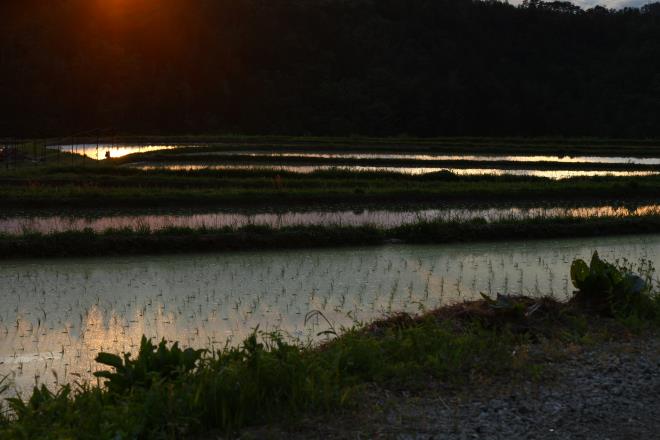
609 391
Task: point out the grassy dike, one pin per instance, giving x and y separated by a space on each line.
181 240
111 186
169 393
159 197
169 156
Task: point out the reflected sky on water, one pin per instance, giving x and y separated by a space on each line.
57 314
306 169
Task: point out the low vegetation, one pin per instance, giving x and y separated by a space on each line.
104 186
142 240
181 158
506 145
166 392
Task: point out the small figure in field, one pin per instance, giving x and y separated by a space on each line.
107 154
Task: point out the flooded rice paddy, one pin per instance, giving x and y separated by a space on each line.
56 315
49 223
98 152
105 150
306 169
436 157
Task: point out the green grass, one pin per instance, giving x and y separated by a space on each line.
173 240
105 186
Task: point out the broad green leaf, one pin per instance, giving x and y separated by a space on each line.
109 359
615 275
634 284
487 298
579 273
598 266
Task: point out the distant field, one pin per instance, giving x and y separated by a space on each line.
569 146
503 145
330 174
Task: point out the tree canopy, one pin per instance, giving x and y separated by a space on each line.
372 67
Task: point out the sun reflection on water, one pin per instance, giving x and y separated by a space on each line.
56 315
306 169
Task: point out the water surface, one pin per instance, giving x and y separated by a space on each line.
98 151
430 157
104 150
57 314
306 169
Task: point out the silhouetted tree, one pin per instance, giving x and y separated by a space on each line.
385 67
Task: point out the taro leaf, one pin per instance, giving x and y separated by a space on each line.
579 273
634 285
596 263
614 274
594 280
598 283
110 359
598 266
487 298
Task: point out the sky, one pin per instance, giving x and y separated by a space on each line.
611 4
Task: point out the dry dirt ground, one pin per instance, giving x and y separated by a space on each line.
606 391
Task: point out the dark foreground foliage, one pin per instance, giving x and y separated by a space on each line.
166 392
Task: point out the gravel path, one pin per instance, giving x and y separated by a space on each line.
611 391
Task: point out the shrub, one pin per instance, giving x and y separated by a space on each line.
153 364
612 290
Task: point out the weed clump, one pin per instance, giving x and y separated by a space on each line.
153 364
612 290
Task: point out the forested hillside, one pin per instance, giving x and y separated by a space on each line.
372 67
